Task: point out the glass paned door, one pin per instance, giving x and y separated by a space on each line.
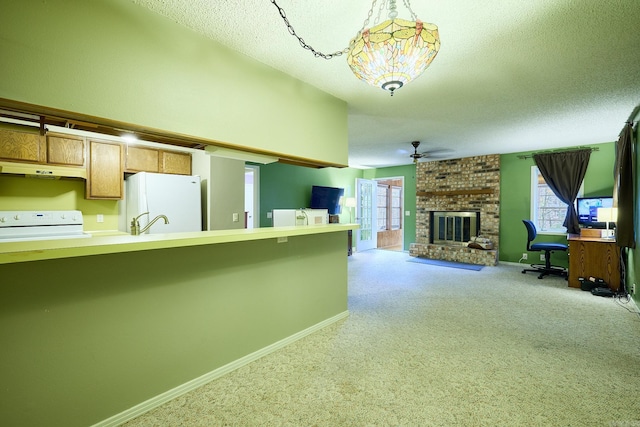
366 192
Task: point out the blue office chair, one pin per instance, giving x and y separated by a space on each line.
547 248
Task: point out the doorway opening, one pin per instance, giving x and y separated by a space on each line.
251 196
379 211
390 206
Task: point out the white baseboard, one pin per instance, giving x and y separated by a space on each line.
525 265
165 397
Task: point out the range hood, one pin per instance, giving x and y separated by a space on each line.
42 171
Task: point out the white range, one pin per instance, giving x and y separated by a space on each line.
16 226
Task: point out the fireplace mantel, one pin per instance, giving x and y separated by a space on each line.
454 192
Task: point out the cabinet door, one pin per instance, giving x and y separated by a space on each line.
106 170
177 163
22 146
594 258
65 150
142 159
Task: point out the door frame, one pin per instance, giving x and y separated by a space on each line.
252 192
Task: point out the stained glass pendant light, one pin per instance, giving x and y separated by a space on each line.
395 52
388 55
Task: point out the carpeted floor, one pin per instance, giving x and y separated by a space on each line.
433 346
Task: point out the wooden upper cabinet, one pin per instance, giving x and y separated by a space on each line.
105 174
25 146
142 159
149 159
65 150
29 146
177 163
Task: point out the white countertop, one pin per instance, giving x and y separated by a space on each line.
102 243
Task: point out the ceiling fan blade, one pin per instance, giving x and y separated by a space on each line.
437 153
430 154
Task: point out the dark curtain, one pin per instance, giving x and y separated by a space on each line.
563 173
623 191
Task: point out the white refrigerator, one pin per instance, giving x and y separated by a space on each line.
175 196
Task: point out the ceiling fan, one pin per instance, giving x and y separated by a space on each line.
417 156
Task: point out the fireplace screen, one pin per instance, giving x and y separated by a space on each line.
454 228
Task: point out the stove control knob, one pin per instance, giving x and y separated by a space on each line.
3 219
17 217
63 216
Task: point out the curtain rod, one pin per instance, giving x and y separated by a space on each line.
561 150
634 113
630 120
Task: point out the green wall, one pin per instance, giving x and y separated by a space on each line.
117 60
515 198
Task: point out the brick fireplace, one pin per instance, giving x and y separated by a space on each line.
446 189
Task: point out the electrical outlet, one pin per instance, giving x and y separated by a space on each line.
525 256
633 289
542 258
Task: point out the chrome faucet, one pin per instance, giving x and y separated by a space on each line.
135 225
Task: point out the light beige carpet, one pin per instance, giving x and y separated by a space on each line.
436 346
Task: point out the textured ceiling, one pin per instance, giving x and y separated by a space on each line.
510 76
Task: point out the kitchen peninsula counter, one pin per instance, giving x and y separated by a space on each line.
102 329
101 244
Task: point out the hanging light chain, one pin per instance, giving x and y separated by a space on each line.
301 40
316 53
407 4
377 21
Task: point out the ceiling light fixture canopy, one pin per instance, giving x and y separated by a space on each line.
390 54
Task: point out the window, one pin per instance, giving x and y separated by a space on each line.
389 207
547 211
383 205
396 207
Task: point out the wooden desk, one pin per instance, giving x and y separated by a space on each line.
594 256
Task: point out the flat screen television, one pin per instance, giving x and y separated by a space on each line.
326 198
587 208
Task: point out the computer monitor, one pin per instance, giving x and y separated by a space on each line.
587 209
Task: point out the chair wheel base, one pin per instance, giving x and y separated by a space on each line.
545 271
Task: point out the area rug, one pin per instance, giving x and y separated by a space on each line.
442 263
